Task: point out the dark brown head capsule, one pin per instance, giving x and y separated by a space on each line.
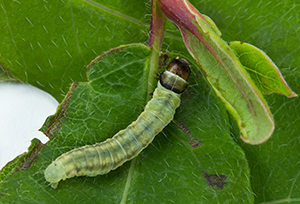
175 76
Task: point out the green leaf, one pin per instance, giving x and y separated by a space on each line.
212 24
271 25
49 43
185 163
262 70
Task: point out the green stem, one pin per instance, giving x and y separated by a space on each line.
156 35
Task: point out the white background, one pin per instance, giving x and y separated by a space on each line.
23 110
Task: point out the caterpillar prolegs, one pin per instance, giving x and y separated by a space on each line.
100 158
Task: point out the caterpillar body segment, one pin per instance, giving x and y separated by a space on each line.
100 158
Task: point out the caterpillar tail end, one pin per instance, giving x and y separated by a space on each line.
52 174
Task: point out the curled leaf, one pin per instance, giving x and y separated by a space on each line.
225 73
262 69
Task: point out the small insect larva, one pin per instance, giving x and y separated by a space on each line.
100 158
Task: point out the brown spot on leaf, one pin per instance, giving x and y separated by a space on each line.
215 180
184 128
193 142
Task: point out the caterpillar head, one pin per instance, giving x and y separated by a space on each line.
54 173
175 76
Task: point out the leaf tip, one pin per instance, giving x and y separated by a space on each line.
293 94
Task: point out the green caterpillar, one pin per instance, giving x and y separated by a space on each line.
100 158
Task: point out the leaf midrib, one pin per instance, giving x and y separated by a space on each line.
128 181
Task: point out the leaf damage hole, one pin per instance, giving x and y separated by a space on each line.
193 142
215 180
